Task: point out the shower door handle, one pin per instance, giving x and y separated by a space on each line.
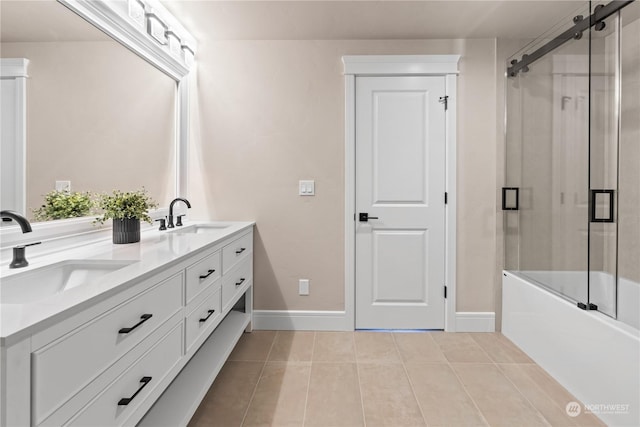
606 196
513 204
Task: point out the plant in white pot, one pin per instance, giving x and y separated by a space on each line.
126 209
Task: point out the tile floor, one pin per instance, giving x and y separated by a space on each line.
383 379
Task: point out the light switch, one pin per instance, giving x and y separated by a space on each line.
307 188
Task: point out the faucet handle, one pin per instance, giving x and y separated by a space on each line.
163 224
31 244
19 259
179 221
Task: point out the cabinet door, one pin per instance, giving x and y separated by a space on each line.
121 398
67 365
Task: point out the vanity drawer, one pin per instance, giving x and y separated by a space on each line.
235 282
64 367
204 318
123 396
202 274
236 251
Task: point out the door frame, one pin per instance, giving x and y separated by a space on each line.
400 65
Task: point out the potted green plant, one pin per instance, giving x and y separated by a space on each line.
126 209
64 204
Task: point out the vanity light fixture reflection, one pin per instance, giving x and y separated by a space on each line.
156 28
136 12
175 48
188 54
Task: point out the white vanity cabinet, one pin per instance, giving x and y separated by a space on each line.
108 363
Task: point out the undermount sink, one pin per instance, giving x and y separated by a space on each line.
43 282
199 228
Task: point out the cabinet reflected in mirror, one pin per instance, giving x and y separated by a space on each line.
97 115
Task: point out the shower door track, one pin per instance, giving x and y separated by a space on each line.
599 14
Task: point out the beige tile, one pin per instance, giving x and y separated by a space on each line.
334 347
280 396
418 347
558 394
550 409
227 400
499 401
460 347
376 347
292 346
387 396
334 396
254 346
441 396
500 349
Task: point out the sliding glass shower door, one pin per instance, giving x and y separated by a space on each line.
572 158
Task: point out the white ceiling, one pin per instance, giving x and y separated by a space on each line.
386 19
48 20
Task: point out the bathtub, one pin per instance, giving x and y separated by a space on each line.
594 356
602 284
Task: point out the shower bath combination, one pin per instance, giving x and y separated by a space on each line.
571 285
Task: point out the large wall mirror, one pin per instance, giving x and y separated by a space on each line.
97 114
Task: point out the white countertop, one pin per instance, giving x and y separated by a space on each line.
155 251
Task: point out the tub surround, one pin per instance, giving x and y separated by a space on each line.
141 330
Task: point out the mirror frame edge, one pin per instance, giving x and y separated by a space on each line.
105 16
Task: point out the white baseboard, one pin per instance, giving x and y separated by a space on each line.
468 321
301 320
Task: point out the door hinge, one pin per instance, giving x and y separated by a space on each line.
445 101
446 197
445 292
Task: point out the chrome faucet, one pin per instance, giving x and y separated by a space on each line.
19 260
179 220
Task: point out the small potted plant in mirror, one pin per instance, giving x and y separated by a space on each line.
126 209
64 204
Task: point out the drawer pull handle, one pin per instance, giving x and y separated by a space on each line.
126 400
144 318
238 252
204 319
240 282
209 273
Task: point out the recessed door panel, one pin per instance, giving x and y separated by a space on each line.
400 147
400 269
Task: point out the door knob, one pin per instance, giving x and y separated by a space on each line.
364 217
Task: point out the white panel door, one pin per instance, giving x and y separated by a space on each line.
400 180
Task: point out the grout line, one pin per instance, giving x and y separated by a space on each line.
535 408
464 387
355 351
246 411
413 391
306 399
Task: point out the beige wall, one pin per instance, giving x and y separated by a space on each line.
99 116
268 113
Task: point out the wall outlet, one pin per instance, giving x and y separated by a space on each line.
63 185
303 287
